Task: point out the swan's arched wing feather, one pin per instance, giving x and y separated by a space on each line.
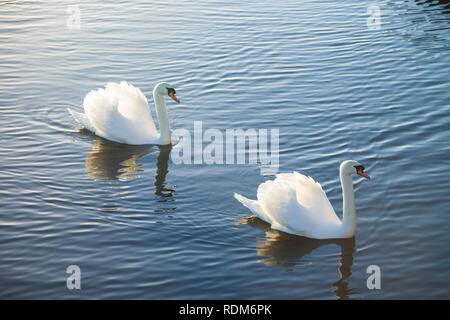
296 202
311 195
278 199
100 107
132 104
120 112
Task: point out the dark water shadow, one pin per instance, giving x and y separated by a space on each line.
442 6
108 160
162 169
288 251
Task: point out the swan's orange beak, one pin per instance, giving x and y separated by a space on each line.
362 173
174 97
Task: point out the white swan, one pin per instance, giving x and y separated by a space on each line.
120 113
296 204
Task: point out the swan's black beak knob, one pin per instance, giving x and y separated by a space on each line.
360 171
171 93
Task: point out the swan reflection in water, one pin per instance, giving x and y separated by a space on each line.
287 251
109 160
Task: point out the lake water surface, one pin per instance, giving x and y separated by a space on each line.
141 226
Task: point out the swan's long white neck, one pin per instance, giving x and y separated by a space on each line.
163 118
349 212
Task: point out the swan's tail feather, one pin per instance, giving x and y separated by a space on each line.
81 119
253 205
245 201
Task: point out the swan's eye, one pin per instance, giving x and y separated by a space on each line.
359 168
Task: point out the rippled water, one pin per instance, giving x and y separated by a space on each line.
140 226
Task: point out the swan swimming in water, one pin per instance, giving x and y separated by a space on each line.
120 113
296 204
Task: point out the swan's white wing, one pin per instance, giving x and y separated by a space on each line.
120 112
311 196
100 107
132 104
297 204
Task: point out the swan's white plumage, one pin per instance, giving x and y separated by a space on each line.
296 204
118 112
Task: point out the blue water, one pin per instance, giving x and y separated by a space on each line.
140 226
